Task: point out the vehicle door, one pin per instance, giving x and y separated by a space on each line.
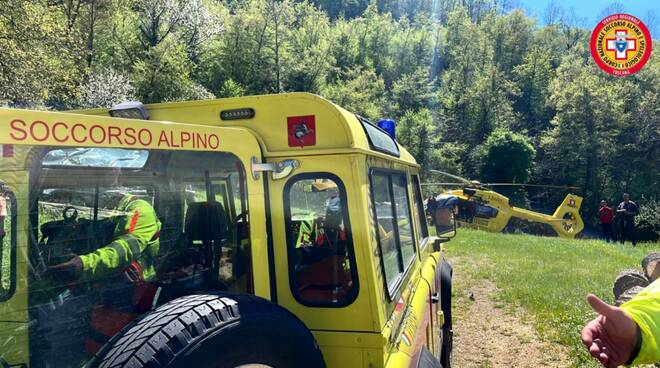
35 143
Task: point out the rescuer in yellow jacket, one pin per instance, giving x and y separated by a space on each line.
626 335
135 244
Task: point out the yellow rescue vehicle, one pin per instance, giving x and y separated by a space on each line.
265 231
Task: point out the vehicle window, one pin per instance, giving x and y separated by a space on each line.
8 242
96 157
387 238
379 140
422 228
391 208
109 244
321 259
403 218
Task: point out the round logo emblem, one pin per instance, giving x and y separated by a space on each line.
621 44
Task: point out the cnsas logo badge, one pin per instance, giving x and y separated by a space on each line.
621 44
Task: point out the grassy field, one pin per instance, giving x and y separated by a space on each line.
548 277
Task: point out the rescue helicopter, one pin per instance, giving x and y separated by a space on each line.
480 207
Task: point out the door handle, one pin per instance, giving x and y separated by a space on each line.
435 298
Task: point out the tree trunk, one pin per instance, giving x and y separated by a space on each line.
90 37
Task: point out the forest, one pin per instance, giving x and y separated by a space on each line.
477 87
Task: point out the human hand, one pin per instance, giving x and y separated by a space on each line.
612 336
68 271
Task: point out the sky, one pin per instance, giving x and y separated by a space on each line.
590 12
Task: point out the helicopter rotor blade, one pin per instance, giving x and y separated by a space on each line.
460 178
444 184
530 185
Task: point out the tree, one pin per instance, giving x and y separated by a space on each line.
254 49
342 8
164 75
362 92
412 92
106 88
417 133
532 78
38 63
231 89
309 49
578 148
506 157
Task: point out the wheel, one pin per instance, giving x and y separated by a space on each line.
447 347
446 273
214 331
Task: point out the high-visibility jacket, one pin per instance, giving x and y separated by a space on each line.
645 311
135 240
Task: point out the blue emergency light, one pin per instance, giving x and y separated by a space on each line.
389 126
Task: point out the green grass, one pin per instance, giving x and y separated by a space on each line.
548 277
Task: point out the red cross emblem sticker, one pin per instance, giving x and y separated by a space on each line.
621 44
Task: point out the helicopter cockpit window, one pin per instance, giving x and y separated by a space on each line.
485 211
321 261
96 157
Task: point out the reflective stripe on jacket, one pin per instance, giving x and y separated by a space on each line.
645 311
135 240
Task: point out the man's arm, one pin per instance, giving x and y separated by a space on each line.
626 335
115 256
141 227
644 309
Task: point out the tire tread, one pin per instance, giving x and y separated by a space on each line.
156 339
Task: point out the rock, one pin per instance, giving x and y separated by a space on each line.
628 279
628 294
651 266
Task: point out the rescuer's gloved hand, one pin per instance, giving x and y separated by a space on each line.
68 271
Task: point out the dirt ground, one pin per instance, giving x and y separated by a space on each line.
485 335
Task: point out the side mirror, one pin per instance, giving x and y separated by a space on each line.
445 223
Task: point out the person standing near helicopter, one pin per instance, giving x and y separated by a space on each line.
606 217
628 209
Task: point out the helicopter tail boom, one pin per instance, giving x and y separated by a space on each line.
569 222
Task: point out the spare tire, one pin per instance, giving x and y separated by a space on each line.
651 266
628 295
228 330
626 280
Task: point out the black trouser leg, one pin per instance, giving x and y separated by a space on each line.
624 230
607 232
629 232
